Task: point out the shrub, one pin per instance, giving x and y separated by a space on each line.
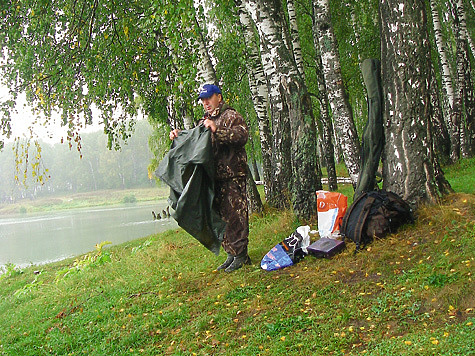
129 199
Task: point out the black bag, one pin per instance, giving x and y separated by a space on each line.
375 214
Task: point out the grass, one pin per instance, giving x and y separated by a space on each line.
408 294
462 176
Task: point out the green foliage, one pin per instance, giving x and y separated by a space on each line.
159 144
79 55
128 199
27 288
146 244
9 270
440 279
98 168
93 259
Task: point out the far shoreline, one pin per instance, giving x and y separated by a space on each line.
108 197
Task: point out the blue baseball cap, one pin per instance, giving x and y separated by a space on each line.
207 91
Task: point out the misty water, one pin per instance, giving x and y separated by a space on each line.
41 238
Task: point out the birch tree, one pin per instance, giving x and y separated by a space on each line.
464 96
208 74
408 166
258 87
448 93
341 112
294 37
326 123
290 108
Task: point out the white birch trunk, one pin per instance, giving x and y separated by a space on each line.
408 166
290 107
470 40
294 37
206 72
342 114
457 114
326 123
467 126
448 92
271 41
258 86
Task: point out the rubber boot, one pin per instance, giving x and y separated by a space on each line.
238 262
226 263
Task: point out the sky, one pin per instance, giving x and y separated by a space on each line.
24 119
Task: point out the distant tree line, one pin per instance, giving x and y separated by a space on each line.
96 169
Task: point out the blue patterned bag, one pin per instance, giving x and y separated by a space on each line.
289 251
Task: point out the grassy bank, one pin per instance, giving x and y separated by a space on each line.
83 200
409 294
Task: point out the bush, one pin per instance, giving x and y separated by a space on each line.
129 199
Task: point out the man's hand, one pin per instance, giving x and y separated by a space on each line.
174 134
210 124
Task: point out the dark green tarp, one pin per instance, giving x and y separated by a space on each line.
188 170
373 135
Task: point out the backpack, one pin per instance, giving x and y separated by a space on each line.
375 214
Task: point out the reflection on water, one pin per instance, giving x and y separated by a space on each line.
41 238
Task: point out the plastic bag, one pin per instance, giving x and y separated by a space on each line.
289 251
331 207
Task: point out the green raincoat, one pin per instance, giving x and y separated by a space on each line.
188 169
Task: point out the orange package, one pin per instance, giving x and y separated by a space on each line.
331 207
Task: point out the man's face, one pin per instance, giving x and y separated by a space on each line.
210 104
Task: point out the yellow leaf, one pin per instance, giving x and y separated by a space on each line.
435 342
407 342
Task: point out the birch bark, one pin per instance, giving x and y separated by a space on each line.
270 42
290 108
326 123
408 166
207 74
258 86
464 101
341 111
294 37
468 141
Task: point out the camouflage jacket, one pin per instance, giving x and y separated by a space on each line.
228 142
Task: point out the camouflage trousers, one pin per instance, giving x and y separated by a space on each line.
231 203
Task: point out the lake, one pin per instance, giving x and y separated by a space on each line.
47 237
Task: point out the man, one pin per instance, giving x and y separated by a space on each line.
229 136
